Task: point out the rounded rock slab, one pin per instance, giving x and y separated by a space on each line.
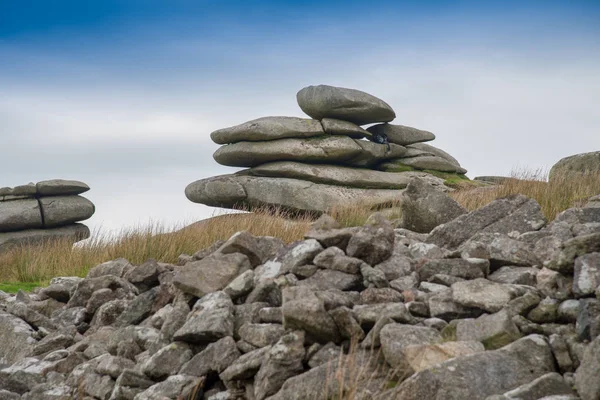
322 149
577 164
20 214
295 195
400 134
351 105
268 128
433 150
336 175
56 187
423 162
64 210
74 232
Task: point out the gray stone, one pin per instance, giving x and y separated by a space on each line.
424 207
561 353
587 274
471 268
283 361
380 295
64 210
302 309
513 213
20 214
216 357
268 128
479 375
261 335
211 319
257 249
441 305
573 248
435 151
235 191
372 243
333 298
523 304
56 187
422 162
340 127
347 325
116 267
170 388
139 308
483 294
493 330
588 319
322 149
335 175
551 384
397 266
576 165
568 311
167 360
545 312
73 232
402 135
240 286
369 314
586 376
554 284
323 101
395 337
145 276
515 275
246 366
210 274
17 340
331 279
113 366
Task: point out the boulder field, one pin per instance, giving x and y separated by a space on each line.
47 210
312 165
493 304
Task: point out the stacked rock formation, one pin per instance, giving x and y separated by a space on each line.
493 305
47 210
578 164
314 164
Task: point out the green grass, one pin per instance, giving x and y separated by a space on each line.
13 287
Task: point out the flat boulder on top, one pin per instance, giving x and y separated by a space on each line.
334 175
268 128
352 105
479 375
64 210
422 162
235 191
55 187
402 135
321 149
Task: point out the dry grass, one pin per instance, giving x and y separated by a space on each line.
554 197
138 244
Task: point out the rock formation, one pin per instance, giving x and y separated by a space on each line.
311 165
495 304
577 164
47 210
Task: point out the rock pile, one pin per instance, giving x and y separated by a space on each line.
47 210
312 165
495 304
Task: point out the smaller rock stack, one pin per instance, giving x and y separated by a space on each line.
314 164
47 210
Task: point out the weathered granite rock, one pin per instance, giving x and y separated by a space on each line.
64 210
61 187
302 309
433 150
351 105
493 330
479 375
339 127
73 232
321 149
268 128
424 207
20 214
515 213
586 376
402 135
483 294
421 162
396 337
234 191
587 274
575 165
210 274
210 320
336 175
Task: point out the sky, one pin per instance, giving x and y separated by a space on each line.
123 94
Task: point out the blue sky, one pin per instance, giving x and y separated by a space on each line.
124 94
